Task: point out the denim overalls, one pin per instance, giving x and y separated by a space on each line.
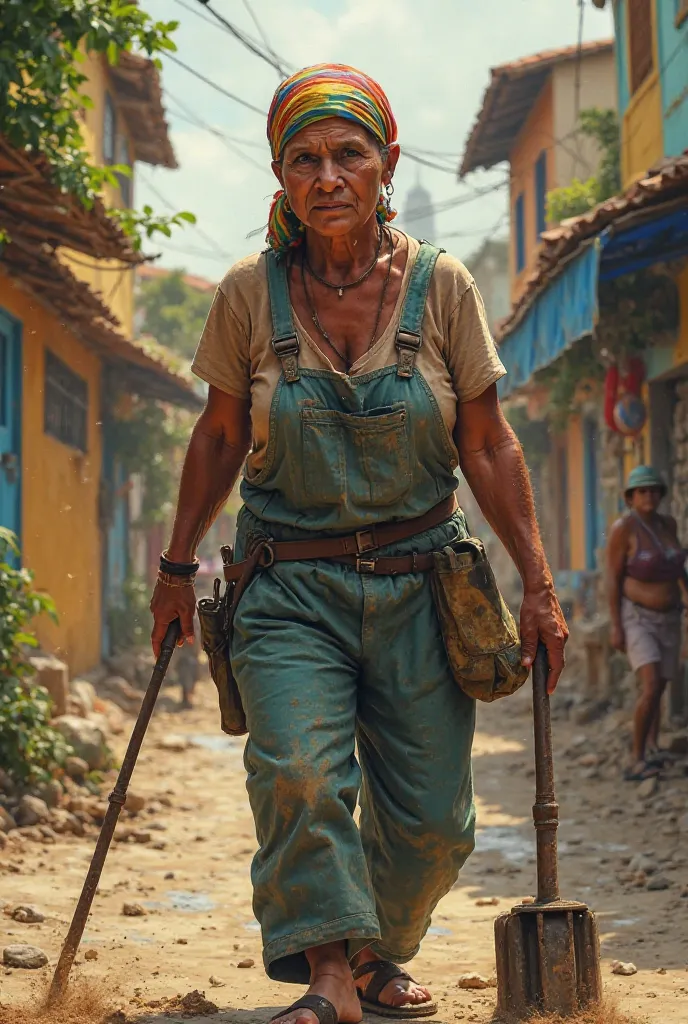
328 658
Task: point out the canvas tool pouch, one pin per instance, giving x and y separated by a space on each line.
479 631
213 615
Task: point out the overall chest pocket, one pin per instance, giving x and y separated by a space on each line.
356 458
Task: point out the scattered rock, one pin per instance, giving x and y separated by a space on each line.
169 875
53 675
624 969
48 834
215 982
642 863
657 883
181 942
31 811
487 901
589 760
7 822
114 715
473 981
661 970
91 954
246 963
684 892
123 694
76 767
27 913
84 692
678 744
134 802
194 1003
26 957
173 743
86 738
52 793
134 910
64 822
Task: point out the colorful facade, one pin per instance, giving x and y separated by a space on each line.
65 351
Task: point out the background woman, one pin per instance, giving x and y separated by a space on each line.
357 371
646 573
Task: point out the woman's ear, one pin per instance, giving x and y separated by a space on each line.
391 161
277 171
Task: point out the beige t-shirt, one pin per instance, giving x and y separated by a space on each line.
457 358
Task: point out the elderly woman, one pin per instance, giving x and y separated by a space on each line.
647 584
355 368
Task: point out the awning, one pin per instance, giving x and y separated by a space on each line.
560 315
654 241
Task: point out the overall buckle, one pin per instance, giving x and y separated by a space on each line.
365 566
365 541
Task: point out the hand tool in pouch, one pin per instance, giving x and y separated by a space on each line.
548 956
116 801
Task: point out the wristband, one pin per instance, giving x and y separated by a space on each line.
178 568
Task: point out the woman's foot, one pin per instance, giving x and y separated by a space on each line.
641 771
397 992
332 979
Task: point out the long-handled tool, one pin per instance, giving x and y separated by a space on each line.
117 799
548 951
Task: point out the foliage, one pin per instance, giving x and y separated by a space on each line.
31 750
147 441
174 312
137 223
566 379
42 46
580 196
130 621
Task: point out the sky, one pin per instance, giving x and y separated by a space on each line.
432 57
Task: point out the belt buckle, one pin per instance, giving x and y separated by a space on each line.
366 566
365 541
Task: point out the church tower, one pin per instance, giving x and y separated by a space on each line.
417 217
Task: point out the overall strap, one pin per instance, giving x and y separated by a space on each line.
284 340
409 335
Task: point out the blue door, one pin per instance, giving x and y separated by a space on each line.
10 422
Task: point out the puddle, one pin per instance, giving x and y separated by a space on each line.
211 741
190 902
252 926
625 922
438 930
145 940
505 840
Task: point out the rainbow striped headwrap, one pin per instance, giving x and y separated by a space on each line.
325 90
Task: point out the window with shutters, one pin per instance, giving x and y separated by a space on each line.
109 130
541 194
640 41
66 403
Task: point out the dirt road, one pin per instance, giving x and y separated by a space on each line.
192 878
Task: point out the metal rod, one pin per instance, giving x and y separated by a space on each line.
116 801
546 808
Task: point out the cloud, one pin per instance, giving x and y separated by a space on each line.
431 56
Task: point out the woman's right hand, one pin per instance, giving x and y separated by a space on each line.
618 639
168 604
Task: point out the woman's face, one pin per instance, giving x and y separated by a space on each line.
332 172
645 499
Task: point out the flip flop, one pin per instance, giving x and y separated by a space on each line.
636 774
383 972
323 1009
660 758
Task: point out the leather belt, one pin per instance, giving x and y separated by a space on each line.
354 549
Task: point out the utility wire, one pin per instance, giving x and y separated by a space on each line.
191 118
261 31
214 85
225 139
242 38
450 204
170 206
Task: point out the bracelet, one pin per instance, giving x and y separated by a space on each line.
178 568
170 580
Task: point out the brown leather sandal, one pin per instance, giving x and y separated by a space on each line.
322 1008
383 972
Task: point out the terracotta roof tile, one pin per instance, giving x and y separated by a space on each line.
508 99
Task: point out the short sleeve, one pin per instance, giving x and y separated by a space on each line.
222 357
471 354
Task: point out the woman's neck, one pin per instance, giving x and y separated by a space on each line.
341 257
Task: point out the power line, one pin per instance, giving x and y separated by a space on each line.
450 204
214 85
227 140
261 31
471 234
427 163
191 118
245 40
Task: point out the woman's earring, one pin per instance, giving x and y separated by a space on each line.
286 206
389 192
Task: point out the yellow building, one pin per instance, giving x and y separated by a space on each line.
66 352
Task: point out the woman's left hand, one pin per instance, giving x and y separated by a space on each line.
542 619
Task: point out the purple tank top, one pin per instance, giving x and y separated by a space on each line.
658 564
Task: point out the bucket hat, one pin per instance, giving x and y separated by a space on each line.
644 476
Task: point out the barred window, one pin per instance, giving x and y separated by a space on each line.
66 403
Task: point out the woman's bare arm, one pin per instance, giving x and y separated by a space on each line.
617 549
492 462
214 458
